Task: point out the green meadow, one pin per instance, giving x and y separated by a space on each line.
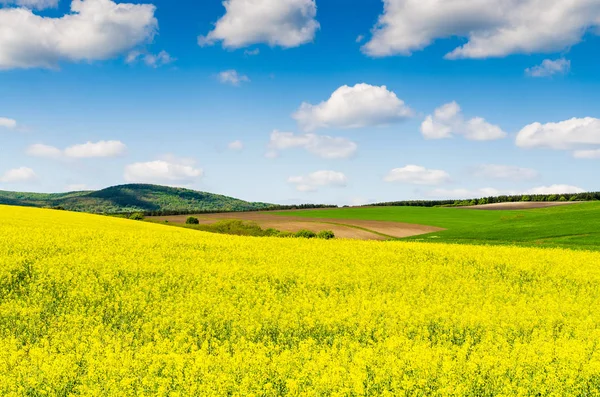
573 226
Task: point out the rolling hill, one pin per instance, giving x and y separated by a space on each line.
132 198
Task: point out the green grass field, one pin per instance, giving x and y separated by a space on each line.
572 226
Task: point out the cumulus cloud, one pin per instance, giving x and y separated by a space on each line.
510 172
22 174
417 175
151 60
168 171
33 4
320 145
312 182
8 123
448 120
587 154
493 28
96 149
85 150
281 23
562 135
45 151
549 68
363 105
233 77
235 145
94 30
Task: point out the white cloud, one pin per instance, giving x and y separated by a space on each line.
449 194
494 28
320 145
587 154
235 145
95 30
7 123
417 175
46 151
85 150
550 68
33 4
152 60
283 23
497 171
555 189
96 149
171 171
233 77
448 120
562 135
312 182
252 53
22 174
360 38
363 105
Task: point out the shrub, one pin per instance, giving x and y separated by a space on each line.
326 235
286 234
136 216
192 221
562 198
306 234
270 232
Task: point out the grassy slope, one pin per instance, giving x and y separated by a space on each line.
131 198
574 226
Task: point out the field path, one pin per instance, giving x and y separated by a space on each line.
343 228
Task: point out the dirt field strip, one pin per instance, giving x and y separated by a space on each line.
343 228
528 205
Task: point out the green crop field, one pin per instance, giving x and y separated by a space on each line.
572 226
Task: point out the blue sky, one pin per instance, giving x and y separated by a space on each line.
124 92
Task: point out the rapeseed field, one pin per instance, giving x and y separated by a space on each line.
97 306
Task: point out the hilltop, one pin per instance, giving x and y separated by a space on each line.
132 198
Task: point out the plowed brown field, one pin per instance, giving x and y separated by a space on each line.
351 228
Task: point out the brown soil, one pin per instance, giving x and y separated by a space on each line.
520 205
350 228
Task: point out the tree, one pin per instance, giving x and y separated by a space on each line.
306 234
326 235
192 221
136 216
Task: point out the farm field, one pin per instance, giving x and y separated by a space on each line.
94 305
571 226
359 229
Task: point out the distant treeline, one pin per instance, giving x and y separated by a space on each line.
491 200
269 208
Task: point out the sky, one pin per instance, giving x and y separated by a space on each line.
302 101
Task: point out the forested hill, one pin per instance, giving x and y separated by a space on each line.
132 198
